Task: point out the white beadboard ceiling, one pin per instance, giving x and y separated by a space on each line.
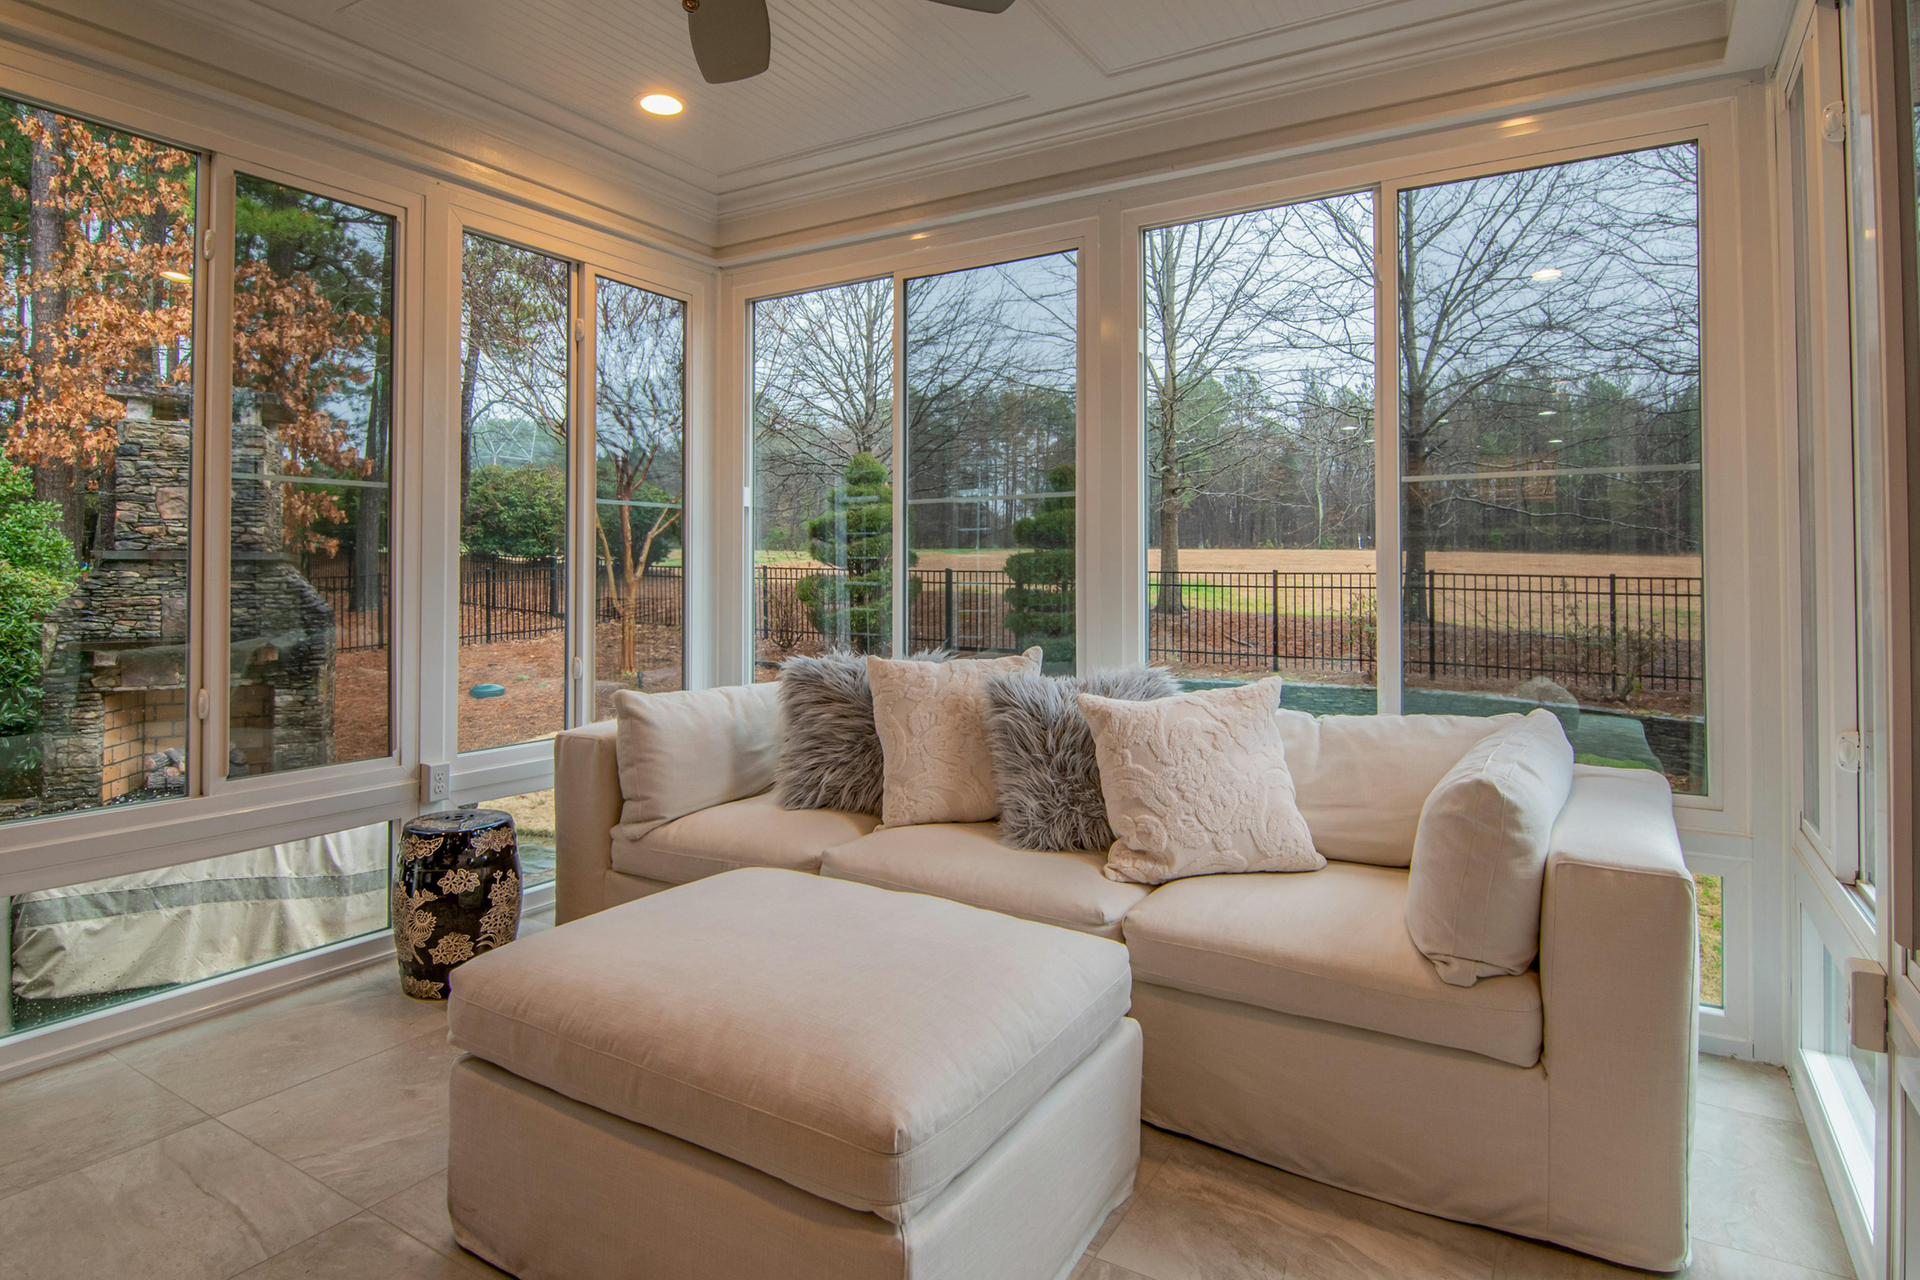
865 93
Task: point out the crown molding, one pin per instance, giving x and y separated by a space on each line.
1328 87
1406 85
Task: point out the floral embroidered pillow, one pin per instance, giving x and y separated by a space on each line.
1198 785
932 721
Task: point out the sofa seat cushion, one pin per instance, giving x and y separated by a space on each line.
755 832
967 863
861 1045
1332 945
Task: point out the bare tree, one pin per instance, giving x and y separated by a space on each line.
514 342
823 390
1264 294
640 421
1518 287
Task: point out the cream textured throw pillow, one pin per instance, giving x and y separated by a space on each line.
1198 785
932 719
1480 856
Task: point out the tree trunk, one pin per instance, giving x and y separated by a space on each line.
629 590
55 479
1168 598
370 515
469 376
370 518
1415 536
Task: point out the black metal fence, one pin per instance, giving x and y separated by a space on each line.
1600 634
1604 635
500 600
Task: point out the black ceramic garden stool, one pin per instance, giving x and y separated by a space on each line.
457 894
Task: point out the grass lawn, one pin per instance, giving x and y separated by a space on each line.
1712 990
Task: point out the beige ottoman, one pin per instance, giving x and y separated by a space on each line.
767 1074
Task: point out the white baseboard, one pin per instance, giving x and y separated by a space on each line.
49 1046
1726 1047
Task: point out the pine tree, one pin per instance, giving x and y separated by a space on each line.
856 535
1040 604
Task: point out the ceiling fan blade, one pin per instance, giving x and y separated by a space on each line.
980 6
731 39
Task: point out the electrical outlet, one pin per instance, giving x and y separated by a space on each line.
435 781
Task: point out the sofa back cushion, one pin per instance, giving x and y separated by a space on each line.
1362 780
683 752
1480 857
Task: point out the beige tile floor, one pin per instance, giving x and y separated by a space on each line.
306 1136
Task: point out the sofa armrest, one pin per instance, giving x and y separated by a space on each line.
1620 996
587 800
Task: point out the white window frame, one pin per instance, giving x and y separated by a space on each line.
492 773
898 260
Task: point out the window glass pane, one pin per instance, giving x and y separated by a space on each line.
96 463
1813 744
533 827
822 473
1550 422
312 425
85 947
1844 1080
513 494
639 435
992 381
1259 370
1713 990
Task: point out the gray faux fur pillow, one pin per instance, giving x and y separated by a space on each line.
1043 761
831 757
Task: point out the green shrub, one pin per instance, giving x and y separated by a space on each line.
1040 603
515 511
856 534
37 570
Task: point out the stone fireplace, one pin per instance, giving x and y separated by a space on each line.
117 694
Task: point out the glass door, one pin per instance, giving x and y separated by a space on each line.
1842 829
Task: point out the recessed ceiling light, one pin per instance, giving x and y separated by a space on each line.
1556 440
1546 273
1517 121
920 235
662 104
178 277
1549 413
1350 427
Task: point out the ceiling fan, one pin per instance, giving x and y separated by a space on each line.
731 40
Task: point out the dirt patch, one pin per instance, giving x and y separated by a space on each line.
361 706
533 673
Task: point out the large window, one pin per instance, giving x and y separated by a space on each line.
310 585
97 276
1550 446
1259 364
1548 450
515 367
822 411
992 379
639 478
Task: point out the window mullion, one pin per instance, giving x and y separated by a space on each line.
1388 612
212 500
900 611
582 607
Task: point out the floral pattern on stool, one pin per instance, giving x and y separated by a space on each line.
456 894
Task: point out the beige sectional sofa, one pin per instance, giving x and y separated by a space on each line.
1289 1017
